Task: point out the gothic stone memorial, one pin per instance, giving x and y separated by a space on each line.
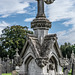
41 54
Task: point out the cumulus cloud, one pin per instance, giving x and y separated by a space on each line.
3 24
8 7
29 19
64 10
66 36
61 9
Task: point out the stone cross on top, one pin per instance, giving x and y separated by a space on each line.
17 55
41 7
41 24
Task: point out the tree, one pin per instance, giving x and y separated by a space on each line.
3 52
14 37
66 49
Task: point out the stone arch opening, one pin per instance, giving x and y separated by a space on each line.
52 68
53 62
30 66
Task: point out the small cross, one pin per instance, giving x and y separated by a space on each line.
17 55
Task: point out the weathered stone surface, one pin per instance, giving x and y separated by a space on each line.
41 62
41 52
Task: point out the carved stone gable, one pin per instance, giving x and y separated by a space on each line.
46 46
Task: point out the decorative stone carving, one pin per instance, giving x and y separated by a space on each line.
41 62
41 22
47 45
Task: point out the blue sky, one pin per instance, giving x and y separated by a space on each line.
61 13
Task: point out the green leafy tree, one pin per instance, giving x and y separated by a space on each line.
14 37
66 49
3 52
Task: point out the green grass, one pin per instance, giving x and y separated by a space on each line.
70 72
6 74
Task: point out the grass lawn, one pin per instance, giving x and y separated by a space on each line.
6 74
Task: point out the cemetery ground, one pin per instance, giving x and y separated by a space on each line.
6 74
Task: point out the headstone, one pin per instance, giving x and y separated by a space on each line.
0 67
8 66
3 66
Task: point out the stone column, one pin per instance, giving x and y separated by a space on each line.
0 67
40 8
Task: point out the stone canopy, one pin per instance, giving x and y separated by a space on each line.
44 49
44 54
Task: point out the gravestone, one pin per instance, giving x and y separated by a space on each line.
3 66
0 67
8 64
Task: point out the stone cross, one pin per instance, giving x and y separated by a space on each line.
17 55
41 7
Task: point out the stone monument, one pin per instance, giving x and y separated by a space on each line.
41 54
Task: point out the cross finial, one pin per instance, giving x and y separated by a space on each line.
41 7
17 52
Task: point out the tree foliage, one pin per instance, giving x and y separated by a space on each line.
3 52
66 49
14 37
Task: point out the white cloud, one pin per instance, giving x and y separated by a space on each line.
60 10
3 24
66 36
8 7
29 19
